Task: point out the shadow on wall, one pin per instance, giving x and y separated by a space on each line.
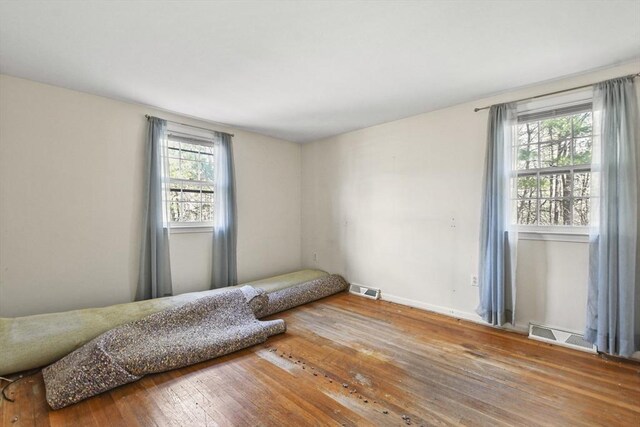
552 283
531 276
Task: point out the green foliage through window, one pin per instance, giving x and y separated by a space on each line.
553 169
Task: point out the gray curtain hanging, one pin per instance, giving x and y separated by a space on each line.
155 268
498 236
225 229
613 308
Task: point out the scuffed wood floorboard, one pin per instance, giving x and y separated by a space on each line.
395 361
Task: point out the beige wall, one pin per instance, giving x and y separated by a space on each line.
397 206
373 208
552 283
70 187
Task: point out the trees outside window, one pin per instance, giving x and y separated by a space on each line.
553 170
191 179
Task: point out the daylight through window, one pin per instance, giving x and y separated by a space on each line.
553 167
191 173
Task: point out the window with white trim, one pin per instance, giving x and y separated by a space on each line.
553 168
191 159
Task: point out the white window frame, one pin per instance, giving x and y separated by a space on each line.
570 233
195 136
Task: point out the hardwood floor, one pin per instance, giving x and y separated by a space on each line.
395 361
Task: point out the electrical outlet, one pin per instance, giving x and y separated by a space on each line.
474 280
315 257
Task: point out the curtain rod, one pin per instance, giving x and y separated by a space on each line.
184 124
555 93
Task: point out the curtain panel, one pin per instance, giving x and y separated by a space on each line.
613 307
225 228
498 234
155 268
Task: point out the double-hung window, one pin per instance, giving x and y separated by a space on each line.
191 161
552 169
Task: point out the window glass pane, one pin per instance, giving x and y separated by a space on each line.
191 195
555 212
556 154
207 158
581 211
527 211
206 149
528 157
582 184
527 187
545 153
190 151
191 185
178 211
556 129
582 151
174 168
174 194
582 125
206 171
188 170
191 169
174 211
207 212
189 212
173 153
528 133
555 185
207 197
564 153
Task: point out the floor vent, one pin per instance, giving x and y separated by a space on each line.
364 291
560 337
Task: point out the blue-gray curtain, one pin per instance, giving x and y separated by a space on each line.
498 238
155 269
225 229
613 308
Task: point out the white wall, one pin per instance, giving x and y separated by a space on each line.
397 206
373 208
70 210
552 283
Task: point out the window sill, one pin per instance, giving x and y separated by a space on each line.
182 229
554 236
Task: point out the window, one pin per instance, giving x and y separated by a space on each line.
553 168
191 178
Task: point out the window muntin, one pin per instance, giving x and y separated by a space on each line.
553 168
191 179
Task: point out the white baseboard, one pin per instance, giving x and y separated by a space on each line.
431 307
458 314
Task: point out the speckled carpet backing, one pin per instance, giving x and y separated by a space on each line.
194 332
294 296
181 336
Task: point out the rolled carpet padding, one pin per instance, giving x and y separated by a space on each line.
194 332
287 298
29 342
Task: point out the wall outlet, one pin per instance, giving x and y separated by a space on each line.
474 280
315 257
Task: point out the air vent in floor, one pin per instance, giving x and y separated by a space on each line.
560 337
365 291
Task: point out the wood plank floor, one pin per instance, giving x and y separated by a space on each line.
395 361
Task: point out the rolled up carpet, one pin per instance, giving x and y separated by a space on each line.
313 290
194 332
29 342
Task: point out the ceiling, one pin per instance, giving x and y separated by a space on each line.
305 70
